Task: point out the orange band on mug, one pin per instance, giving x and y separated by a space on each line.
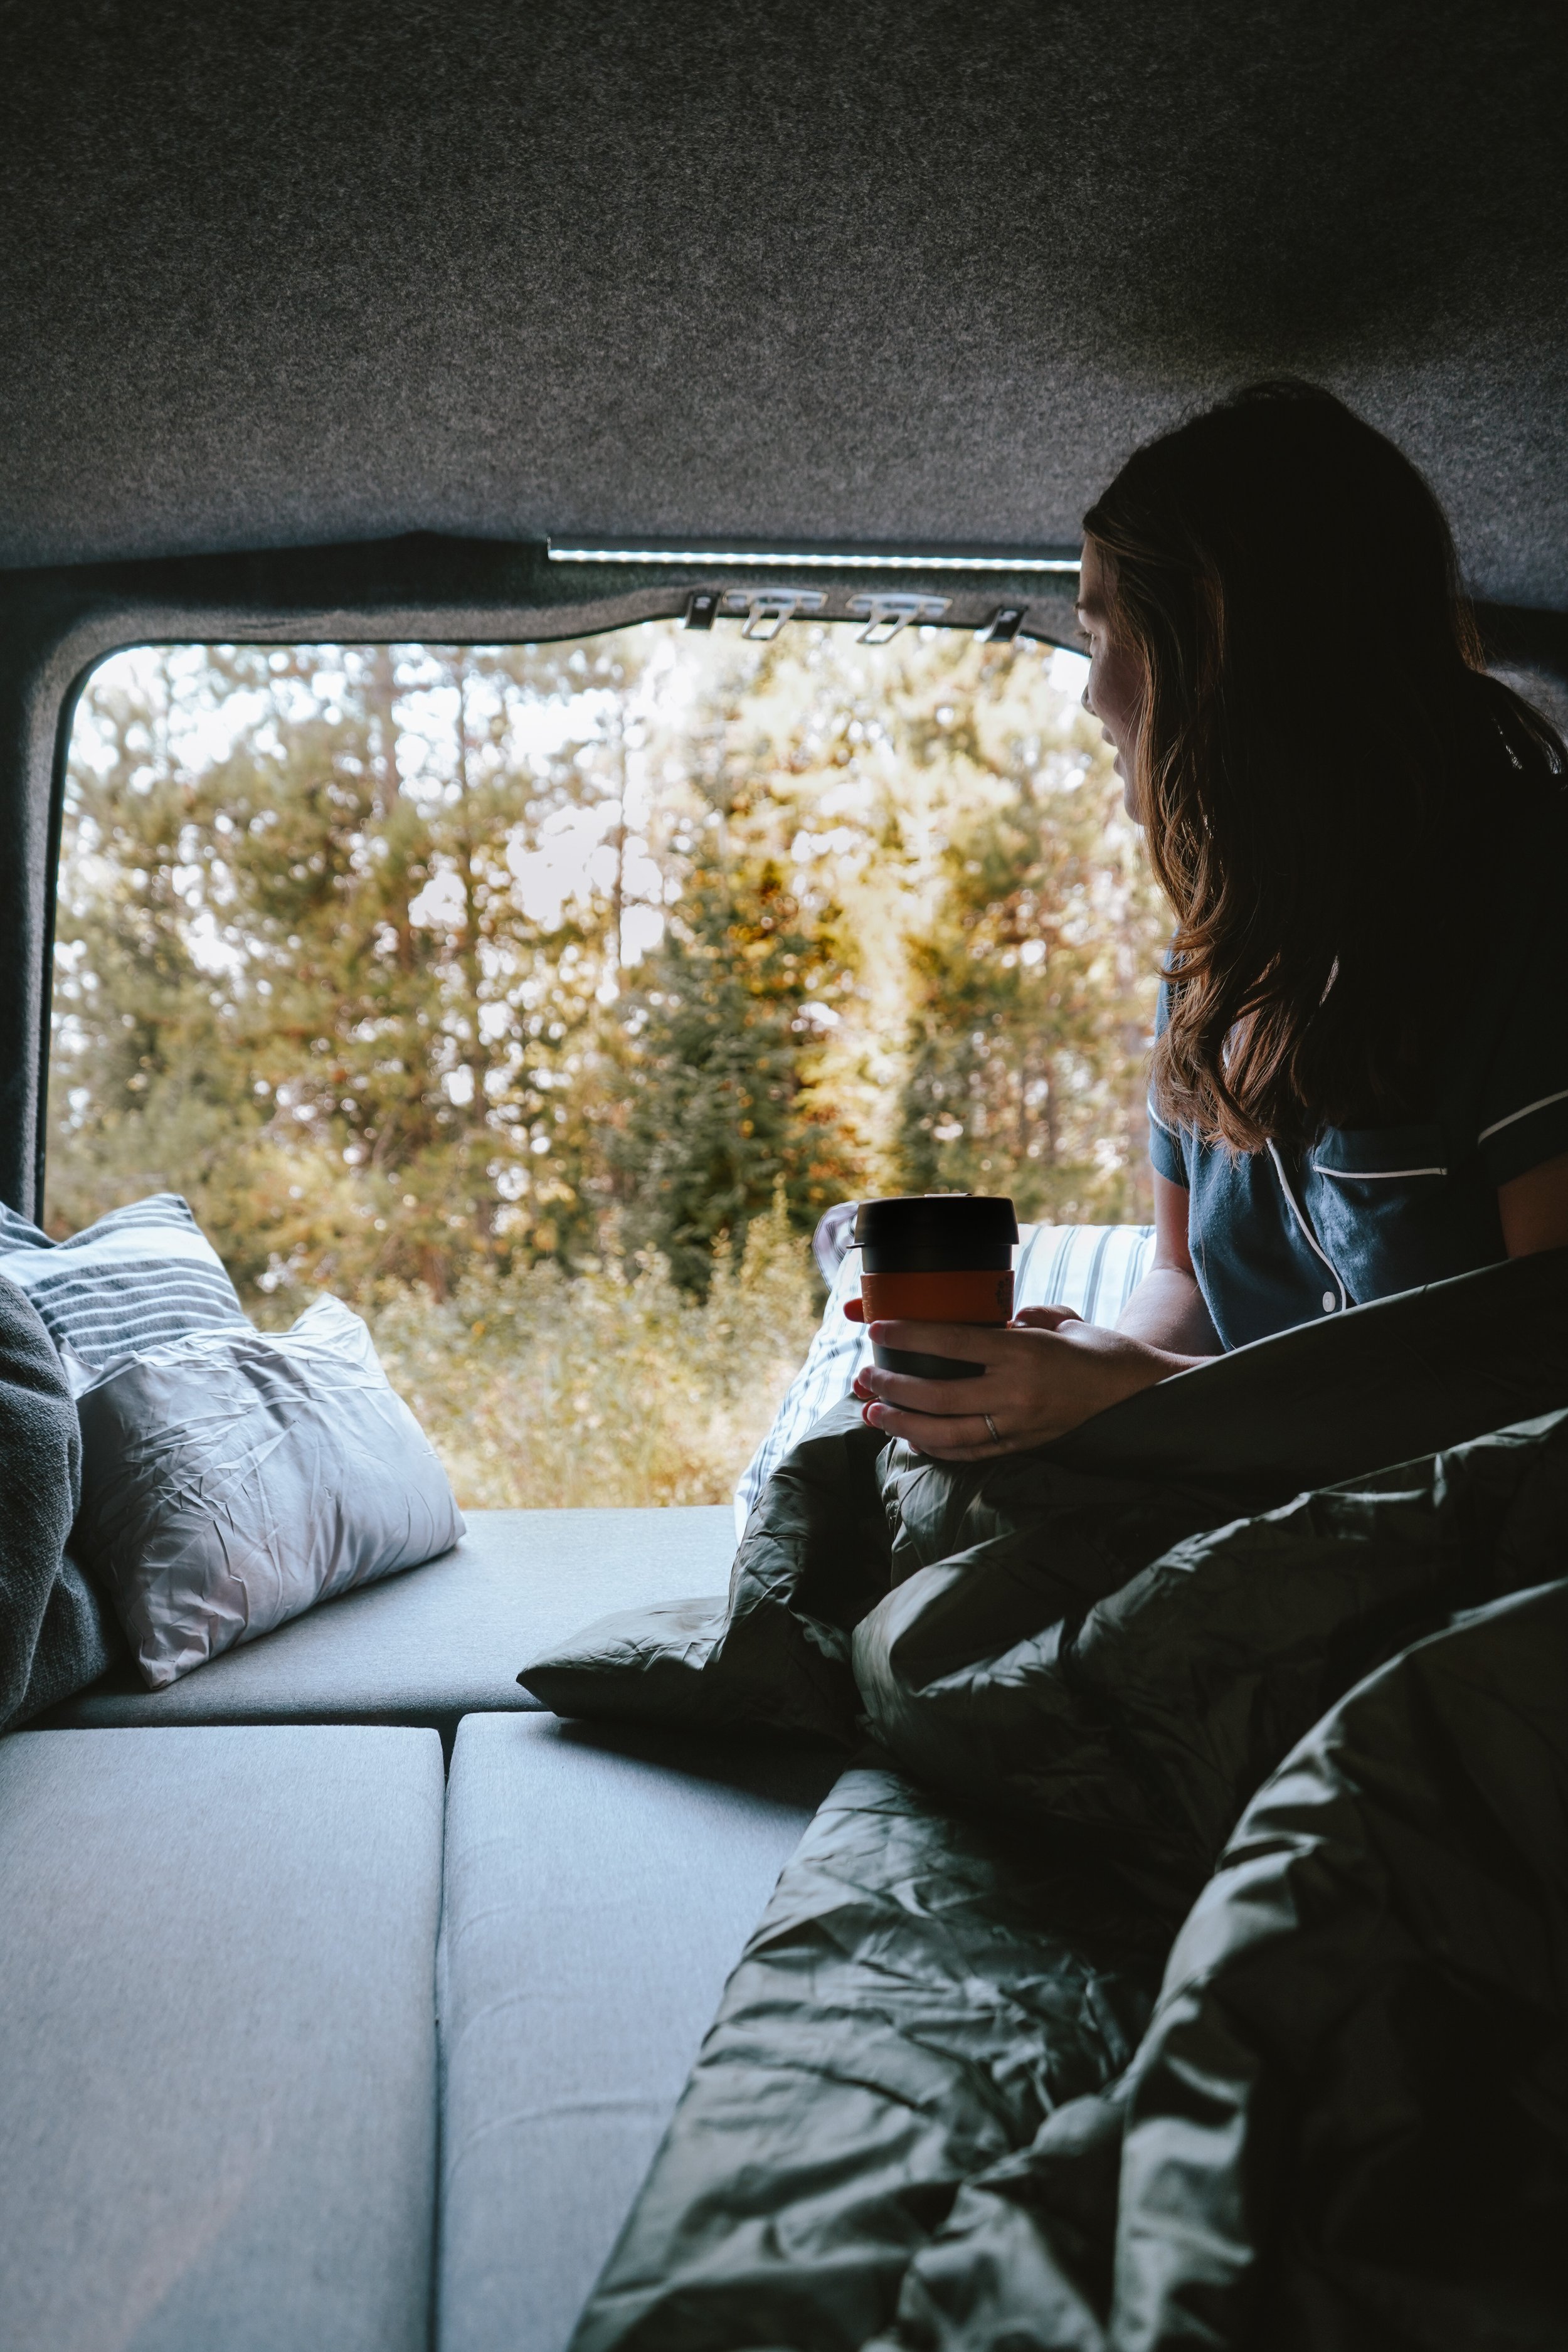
973 1295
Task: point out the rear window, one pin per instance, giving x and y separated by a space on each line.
537 1000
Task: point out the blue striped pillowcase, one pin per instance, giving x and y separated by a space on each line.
133 1278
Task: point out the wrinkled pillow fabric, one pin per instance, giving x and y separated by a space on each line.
133 1278
233 1478
1090 1268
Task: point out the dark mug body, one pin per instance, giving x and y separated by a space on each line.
939 1258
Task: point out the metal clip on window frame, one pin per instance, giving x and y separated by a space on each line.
885 615
767 609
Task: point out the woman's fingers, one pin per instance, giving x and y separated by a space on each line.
1027 1319
1020 1369
1030 1390
971 1343
957 1437
913 1394
981 1344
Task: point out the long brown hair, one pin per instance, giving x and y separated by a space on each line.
1321 809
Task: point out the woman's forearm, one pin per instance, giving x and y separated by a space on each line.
1167 1311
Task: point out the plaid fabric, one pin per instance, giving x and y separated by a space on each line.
136 1276
1089 1267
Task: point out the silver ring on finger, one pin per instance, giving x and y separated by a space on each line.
991 1425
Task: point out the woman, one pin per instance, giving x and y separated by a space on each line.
1360 1078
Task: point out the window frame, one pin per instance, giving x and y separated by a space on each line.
57 625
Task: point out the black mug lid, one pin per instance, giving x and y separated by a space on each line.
937 1221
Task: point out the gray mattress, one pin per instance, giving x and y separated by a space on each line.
599 1888
218 2047
440 1642
218 1963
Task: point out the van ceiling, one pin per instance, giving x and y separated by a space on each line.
277 272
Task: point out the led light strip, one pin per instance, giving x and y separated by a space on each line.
816 562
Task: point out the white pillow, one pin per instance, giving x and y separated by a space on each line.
233 1478
1092 1268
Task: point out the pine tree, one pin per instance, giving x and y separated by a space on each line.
1030 995
144 1078
722 1111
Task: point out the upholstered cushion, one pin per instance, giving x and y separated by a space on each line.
599 1888
445 1640
217 2064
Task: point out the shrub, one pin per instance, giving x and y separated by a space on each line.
609 1386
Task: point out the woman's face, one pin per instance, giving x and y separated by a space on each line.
1114 693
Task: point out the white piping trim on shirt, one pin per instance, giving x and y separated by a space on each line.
1373 1175
1308 1235
1544 1104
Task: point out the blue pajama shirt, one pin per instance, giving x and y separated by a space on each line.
1281 1237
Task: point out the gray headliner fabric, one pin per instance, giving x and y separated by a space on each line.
909 272
599 1888
217 2062
447 1639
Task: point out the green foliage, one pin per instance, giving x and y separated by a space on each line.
311 996
1045 931
518 987
522 1379
721 1110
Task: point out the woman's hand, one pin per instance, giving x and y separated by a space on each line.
1046 1371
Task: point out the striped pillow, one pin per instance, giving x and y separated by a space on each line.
1092 1268
139 1275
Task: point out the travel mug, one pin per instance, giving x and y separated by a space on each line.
939 1257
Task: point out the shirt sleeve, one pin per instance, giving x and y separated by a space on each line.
1522 1108
1164 1144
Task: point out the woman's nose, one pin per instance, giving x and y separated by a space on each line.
1088 705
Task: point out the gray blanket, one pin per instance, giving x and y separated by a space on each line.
1183 1964
1034 1538
55 1637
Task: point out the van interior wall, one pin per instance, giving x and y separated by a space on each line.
905 274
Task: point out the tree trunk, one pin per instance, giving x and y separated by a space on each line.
477 1059
381 697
